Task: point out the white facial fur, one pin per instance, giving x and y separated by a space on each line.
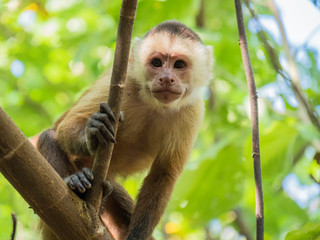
199 55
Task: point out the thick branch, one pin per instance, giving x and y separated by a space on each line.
254 121
39 184
118 77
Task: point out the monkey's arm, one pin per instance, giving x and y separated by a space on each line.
153 198
166 168
51 151
76 129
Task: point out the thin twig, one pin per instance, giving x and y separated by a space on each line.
293 71
308 113
254 122
14 226
118 77
243 228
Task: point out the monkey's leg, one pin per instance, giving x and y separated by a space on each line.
51 151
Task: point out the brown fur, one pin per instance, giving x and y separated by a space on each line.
154 136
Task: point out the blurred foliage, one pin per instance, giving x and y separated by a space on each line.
51 51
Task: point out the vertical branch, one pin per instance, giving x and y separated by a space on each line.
118 77
254 121
200 15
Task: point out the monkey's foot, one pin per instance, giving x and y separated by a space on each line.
107 188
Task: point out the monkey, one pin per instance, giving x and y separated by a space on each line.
163 109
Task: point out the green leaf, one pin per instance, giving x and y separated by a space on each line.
216 185
310 231
277 148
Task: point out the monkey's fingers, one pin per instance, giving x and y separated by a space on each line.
70 183
84 180
74 183
88 173
107 188
77 183
103 118
101 132
104 108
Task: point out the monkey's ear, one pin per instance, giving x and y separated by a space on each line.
134 47
210 59
135 41
210 50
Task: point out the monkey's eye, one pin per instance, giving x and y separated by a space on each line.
156 63
179 64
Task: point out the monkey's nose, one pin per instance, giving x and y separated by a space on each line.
166 81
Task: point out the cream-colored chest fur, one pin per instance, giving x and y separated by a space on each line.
148 133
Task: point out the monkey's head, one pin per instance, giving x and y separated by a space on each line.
171 64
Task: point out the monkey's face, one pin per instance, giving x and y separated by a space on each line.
170 70
169 76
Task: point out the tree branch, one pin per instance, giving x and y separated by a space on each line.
254 122
118 77
14 226
200 15
304 106
307 113
242 227
44 190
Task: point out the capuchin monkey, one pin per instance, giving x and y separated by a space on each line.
163 109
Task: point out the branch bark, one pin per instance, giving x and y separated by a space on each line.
41 186
118 77
44 190
254 122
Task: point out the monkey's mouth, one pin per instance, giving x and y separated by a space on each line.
166 95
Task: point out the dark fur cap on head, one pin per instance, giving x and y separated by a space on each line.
175 28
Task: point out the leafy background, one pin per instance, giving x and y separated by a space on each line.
51 51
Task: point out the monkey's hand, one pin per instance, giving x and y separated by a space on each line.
80 181
99 128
